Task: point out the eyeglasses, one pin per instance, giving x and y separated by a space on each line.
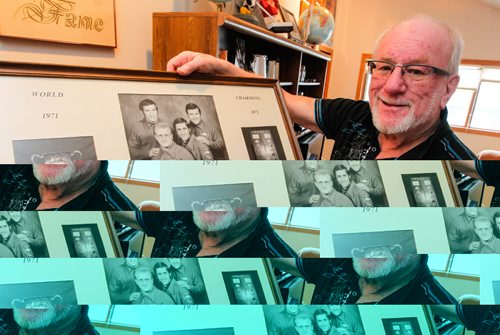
416 72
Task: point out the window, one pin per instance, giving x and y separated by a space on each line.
115 315
466 265
295 217
146 171
475 105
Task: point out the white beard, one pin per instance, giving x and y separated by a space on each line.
228 220
48 318
65 175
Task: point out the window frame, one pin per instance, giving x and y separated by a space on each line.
447 273
287 226
360 90
118 326
127 179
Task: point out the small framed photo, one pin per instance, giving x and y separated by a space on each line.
249 281
149 115
402 326
263 143
84 241
87 234
400 320
244 288
423 190
295 34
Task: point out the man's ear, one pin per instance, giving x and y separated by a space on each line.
451 87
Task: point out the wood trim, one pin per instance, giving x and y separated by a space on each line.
480 62
452 185
128 181
472 103
312 231
455 276
117 327
475 131
361 76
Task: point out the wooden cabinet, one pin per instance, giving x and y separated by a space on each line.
211 32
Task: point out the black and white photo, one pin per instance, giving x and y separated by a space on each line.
214 197
21 235
244 288
334 184
472 230
402 326
423 190
37 294
166 127
263 143
313 319
205 331
155 281
366 244
84 241
54 150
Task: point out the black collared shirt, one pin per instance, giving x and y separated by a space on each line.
19 192
9 327
483 319
176 235
350 124
337 283
490 172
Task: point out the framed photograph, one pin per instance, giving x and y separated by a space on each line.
155 281
295 34
425 184
423 190
86 234
208 112
206 331
66 21
263 143
182 182
48 150
248 281
244 288
402 326
374 244
400 320
421 231
37 294
84 241
21 235
214 197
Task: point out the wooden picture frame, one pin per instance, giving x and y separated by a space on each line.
54 102
295 34
66 21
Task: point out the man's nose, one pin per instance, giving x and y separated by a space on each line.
395 82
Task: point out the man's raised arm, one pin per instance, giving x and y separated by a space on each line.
301 108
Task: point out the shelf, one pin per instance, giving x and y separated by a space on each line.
285 83
306 83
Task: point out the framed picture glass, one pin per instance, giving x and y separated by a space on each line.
80 234
148 115
295 34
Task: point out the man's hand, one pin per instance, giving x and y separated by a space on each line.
314 198
154 152
203 140
188 62
364 187
135 296
184 284
24 238
474 246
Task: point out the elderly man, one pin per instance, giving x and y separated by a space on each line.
226 232
169 150
379 277
205 133
9 239
149 294
489 243
69 185
199 150
328 197
414 72
141 141
49 320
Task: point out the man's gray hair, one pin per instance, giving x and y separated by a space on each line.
457 42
